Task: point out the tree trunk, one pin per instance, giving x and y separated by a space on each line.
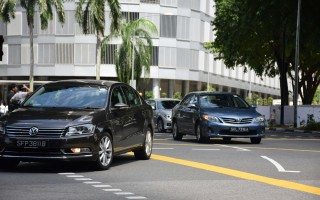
31 77
98 59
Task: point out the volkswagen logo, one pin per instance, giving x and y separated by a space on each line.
33 131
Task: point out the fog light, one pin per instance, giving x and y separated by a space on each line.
79 150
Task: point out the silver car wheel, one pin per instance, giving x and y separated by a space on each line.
105 151
148 143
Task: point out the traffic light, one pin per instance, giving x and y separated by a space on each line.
1 48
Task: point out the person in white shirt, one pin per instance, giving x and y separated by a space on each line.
2 109
21 95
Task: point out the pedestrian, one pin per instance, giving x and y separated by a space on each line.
2 109
13 89
273 116
21 95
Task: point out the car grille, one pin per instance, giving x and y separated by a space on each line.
237 120
43 132
225 132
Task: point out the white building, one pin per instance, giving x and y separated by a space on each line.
180 62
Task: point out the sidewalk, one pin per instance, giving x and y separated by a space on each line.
288 129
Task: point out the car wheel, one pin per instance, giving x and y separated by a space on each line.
175 132
9 164
105 153
145 151
255 140
160 126
226 139
199 136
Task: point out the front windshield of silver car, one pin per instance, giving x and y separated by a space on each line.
68 97
222 100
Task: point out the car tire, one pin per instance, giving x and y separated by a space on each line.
226 139
255 140
105 157
160 126
144 153
8 164
199 136
175 132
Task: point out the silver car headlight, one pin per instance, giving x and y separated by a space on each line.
260 119
83 129
211 118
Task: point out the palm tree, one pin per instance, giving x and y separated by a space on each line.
7 11
135 35
93 16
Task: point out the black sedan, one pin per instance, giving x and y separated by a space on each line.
77 120
217 114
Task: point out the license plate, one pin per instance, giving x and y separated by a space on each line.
31 143
239 129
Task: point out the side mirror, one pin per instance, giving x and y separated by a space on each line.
192 106
253 106
153 107
121 106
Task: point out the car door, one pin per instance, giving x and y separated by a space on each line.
179 113
189 114
118 118
136 116
152 103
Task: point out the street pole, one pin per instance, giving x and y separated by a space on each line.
296 71
132 82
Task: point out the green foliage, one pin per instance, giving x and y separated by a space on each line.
316 98
210 89
149 94
163 95
270 101
313 126
177 95
259 101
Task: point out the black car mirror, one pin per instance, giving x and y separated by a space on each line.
253 106
120 106
192 106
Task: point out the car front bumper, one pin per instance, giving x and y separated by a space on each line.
213 129
54 149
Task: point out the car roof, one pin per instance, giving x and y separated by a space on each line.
164 99
85 81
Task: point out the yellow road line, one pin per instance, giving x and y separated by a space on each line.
262 148
240 174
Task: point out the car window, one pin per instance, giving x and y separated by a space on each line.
167 104
68 96
117 96
186 100
132 96
222 100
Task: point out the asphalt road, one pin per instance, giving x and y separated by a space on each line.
284 166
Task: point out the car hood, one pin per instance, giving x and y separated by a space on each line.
50 117
166 112
231 112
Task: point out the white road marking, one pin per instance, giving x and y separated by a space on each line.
75 176
238 148
205 149
136 197
112 190
91 182
66 173
163 148
101 186
83 179
124 193
278 166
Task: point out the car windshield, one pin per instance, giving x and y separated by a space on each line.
66 96
223 100
168 104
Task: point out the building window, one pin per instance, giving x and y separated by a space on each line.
168 26
183 30
46 54
155 56
85 54
64 53
14 54
68 27
150 1
130 16
109 54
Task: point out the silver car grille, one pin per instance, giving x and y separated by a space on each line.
237 120
43 132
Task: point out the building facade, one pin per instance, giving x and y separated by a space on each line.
180 63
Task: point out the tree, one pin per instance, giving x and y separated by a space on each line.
45 8
90 13
135 35
260 35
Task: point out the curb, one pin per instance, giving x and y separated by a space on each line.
292 130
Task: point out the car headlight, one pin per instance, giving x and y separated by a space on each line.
260 119
211 118
84 129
